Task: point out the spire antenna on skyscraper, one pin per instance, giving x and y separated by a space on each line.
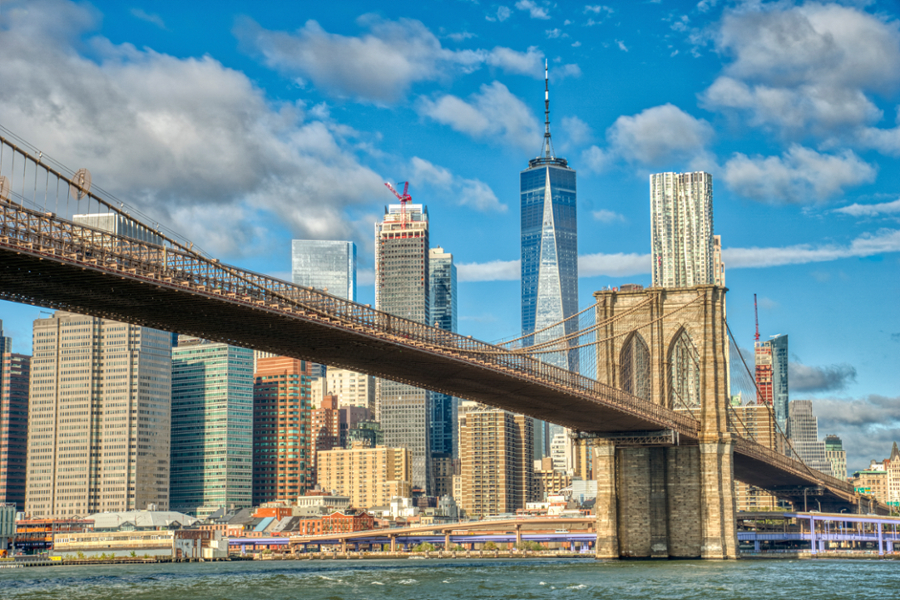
548 144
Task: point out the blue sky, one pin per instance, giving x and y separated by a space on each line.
247 125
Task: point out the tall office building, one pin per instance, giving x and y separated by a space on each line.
326 430
755 422
718 265
444 299
837 456
803 431
549 238
212 426
402 289
681 229
119 225
495 455
14 377
99 417
325 265
282 430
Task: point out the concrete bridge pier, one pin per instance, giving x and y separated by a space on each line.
665 502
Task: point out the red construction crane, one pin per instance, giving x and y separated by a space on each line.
404 199
756 317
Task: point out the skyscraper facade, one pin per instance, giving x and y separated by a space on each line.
325 265
803 431
549 251
496 465
99 417
681 229
836 456
771 359
14 377
402 288
212 426
442 278
282 430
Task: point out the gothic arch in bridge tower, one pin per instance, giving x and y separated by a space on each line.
634 367
683 365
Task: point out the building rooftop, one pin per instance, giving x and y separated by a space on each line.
141 519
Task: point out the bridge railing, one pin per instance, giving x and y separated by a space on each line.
760 452
49 234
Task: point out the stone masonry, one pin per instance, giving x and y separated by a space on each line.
678 501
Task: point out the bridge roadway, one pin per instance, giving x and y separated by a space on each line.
51 262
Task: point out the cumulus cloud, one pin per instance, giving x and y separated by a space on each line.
493 113
187 141
870 210
656 136
502 14
534 10
575 132
833 378
800 175
868 426
467 192
806 69
379 66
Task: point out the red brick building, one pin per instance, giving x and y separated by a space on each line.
282 451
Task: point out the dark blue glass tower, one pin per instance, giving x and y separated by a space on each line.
549 253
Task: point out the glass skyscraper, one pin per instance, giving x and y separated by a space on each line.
325 265
212 427
549 254
442 278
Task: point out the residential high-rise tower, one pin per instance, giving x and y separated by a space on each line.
803 431
402 288
282 430
681 229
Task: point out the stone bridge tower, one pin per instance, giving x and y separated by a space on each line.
660 494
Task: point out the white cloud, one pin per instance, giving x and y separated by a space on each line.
555 33
598 9
495 270
467 192
461 36
870 210
190 142
149 17
502 14
597 159
884 241
624 265
571 70
613 265
493 113
536 12
607 216
806 69
575 131
868 426
659 135
379 66
799 176
621 45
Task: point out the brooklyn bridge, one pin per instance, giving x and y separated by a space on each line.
652 401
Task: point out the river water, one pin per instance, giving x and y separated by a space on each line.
502 579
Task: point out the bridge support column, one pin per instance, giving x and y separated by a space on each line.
446 541
518 534
683 496
393 543
717 497
606 509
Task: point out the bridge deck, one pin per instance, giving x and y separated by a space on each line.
49 262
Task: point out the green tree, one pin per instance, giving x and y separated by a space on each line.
490 546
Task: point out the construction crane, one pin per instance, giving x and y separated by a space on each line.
404 199
756 317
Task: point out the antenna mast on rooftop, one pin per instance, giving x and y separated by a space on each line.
548 144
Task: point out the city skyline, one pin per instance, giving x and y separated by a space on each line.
826 201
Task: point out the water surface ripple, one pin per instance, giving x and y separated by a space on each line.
500 579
